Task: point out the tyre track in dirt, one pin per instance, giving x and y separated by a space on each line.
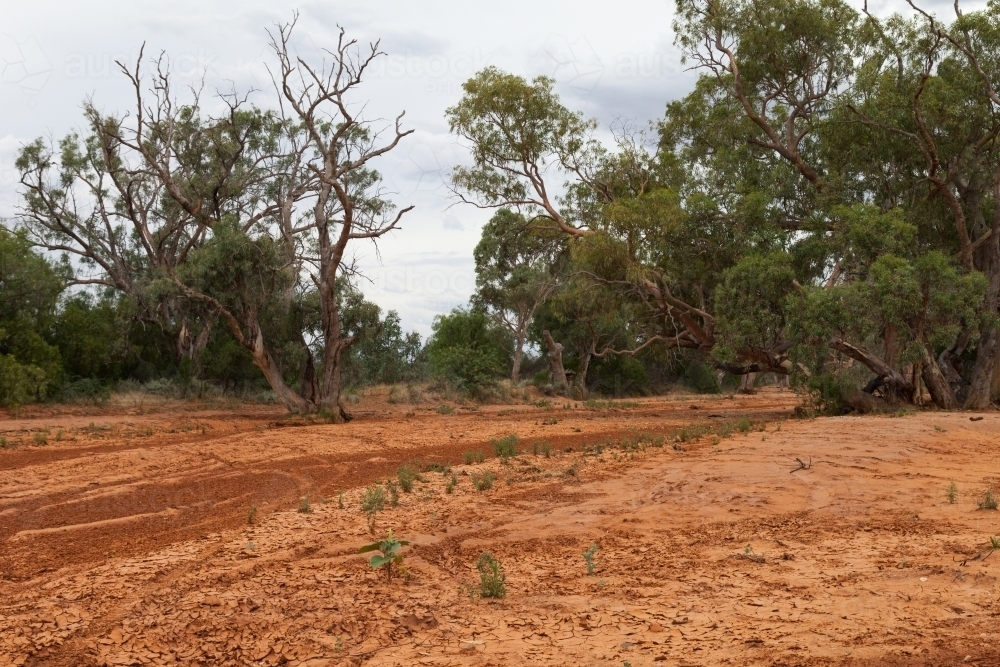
77 502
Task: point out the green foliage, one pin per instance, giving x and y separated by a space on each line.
372 502
468 349
483 482
305 507
472 457
407 475
505 447
588 557
988 500
952 492
492 580
389 559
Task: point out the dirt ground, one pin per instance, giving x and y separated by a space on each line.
125 536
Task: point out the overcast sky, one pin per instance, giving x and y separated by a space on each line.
611 60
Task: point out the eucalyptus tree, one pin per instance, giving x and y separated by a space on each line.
246 216
516 271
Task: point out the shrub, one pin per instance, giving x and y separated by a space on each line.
492 580
468 349
988 501
407 475
588 557
304 506
372 502
472 457
445 410
483 482
505 447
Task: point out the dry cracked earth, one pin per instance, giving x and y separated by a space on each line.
126 536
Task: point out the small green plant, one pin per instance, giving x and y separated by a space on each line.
407 475
743 425
938 429
988 501
445 410
340 500
952 493
472 457
505 447
542 447
3 443
304 506
393 490
483 482
588 557
251 514
450 486
389 560
372 502
751 555
59 435
338 646
41 439
492 580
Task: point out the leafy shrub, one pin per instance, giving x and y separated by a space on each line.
492 580
468 349
372 502
988 501
407 475
588 557
483 482
505 447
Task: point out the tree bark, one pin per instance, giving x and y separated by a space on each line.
515 373
263 360
983 389
747 382
889 375
937 385
555 351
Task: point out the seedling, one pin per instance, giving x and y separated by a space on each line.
952 493
305 507
450 486
505 447
588 557
372 502
988 501
492 580
483 482
389 560
251 514
407 475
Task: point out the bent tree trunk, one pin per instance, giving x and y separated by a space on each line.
263 360
937 385
555 351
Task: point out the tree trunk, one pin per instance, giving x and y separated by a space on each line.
307 379
983 389
889 375
555 349
747 382
331 385
937 384
515 373
263 360
581 376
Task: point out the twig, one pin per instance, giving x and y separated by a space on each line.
802 464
